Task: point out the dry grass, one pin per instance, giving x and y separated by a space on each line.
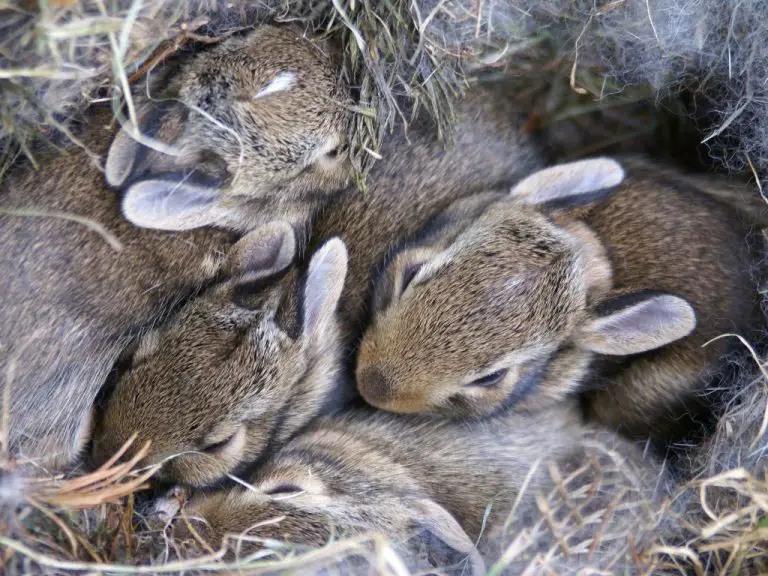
600 514
59 56
88 523
723 511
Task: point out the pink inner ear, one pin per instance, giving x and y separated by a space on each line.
160 197
168 205
325 282
650 317
120 159
569 180
645 326
266 250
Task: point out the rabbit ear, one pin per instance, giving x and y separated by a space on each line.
440 524
172 205
266 251
121 158
325 282
571 184
636 323
127 154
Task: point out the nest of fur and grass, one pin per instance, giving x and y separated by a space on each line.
596 77
714 523
57 57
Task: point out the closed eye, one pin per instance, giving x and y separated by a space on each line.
283 489
219 446
336 151
489 380
409 274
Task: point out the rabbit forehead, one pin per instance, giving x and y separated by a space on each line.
206 368
483 303
272 70
505 266
506 311
507 239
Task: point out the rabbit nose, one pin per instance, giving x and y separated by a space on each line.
375 386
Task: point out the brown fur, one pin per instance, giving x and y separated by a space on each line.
207 390
665 234
515 290
410 478
70 303
177 400
249 155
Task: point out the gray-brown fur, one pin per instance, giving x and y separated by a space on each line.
221 382
258 124
70 302
412 478
417 179
517 290
665 233
165 398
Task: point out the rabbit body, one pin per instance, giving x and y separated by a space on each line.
538 298
71 302
279 381
421 481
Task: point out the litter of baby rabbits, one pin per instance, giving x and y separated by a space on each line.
592 73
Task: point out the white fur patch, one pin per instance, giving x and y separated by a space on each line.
148 345
166 507
280 83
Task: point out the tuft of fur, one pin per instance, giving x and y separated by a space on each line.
711 49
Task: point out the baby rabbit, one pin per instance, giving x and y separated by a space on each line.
230 374
540 297
70 303
419 481
184 396
256 127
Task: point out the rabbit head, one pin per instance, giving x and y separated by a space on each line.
257 120
281 508
244 365
331 483
507 315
